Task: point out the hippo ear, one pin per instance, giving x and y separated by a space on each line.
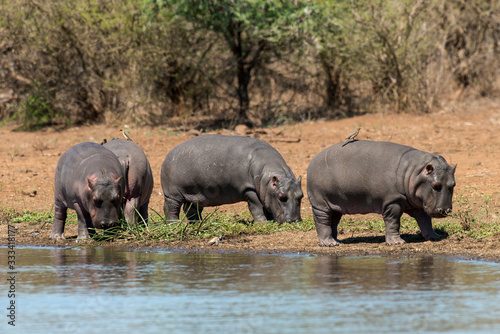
453 168
274 182
429 169
115 177
91 183
299 180
118 180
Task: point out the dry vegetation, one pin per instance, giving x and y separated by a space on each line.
150 63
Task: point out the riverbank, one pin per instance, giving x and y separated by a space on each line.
361 238
464 134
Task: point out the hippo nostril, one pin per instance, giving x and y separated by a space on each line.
448 211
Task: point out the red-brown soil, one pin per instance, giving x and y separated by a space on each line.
465 134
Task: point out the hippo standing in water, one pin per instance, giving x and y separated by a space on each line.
138 178
212 170
378 177
89 179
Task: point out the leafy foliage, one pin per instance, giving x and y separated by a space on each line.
252 30
36 111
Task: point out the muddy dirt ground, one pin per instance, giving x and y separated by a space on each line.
465 134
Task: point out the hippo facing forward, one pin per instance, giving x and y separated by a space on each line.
212 170
138 178
89 179
378 177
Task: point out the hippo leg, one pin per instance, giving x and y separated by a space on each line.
392 218
85 226
131 208
59 221
326 227
143 212
136 214
192 211
171 208
425 224
255 207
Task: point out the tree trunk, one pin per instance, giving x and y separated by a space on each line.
244 100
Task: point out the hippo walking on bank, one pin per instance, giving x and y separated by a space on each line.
378 177
212 170
89 179
138 178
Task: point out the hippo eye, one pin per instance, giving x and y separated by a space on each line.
97 202
436 186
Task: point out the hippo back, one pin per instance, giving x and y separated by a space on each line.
215 160
136 167
364 176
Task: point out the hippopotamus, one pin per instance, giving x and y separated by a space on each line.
212 170
138 178
89 179
363 176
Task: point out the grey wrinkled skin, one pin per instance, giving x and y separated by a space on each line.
89 179
138 178
362 177
212 170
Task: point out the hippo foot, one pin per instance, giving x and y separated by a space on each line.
84 237
433 237
57 236
330 242
394 240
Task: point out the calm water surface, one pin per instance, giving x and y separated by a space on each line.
109 291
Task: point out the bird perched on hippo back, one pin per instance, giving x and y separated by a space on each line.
352 135
212 170
89 179
138 175
378 177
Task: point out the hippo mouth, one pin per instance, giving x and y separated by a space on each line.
437 212
104 225
280 219
440 213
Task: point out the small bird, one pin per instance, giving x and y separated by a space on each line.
215 240
353 134
126 135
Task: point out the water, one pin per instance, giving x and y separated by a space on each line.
108 291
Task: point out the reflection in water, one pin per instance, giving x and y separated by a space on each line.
95 290
375 274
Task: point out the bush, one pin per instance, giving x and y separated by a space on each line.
36 111
127 60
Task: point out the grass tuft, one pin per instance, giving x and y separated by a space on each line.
462 224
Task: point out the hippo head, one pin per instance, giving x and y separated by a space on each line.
283 199
435 187
104 197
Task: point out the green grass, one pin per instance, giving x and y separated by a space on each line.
212 225
461 224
